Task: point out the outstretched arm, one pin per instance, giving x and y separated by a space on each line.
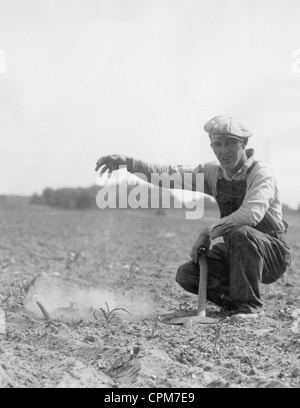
178 176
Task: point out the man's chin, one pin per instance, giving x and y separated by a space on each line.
228 166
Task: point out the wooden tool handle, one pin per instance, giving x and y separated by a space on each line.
202 284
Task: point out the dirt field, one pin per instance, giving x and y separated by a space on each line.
128 259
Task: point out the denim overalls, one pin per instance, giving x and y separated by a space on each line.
247 257
230 196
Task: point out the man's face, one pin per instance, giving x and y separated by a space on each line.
229 151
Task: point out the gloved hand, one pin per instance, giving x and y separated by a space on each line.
112 163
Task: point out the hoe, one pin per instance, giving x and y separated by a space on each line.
201 317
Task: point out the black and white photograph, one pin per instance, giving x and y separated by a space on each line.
149 196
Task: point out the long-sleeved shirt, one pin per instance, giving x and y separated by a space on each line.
261 199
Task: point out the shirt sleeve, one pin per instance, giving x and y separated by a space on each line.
171 176
259 196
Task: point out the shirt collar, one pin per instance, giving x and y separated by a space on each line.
243 170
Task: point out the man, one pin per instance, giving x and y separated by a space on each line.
254 248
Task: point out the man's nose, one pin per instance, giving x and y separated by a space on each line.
224 148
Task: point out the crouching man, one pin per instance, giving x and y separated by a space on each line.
254 249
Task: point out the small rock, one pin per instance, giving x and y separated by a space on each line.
188 323
295 313
91 339
261 332
296 372
252 372
218 383
136 350
2 322
276 384
208 366
295 326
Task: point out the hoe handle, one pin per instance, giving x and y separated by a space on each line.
202 283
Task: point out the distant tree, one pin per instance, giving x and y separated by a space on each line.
35 199
68 198
49 196
84 199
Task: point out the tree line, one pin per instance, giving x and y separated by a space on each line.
69 198
85 198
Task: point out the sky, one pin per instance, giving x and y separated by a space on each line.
80 79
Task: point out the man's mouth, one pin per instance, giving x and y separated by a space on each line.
226 159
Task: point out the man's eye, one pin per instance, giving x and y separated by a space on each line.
216 145
232 142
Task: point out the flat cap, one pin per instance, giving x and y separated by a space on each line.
226 125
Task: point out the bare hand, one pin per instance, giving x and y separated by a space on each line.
203 241
111 163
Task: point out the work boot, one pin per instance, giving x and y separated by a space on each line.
246 313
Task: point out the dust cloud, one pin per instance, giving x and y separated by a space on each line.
66 302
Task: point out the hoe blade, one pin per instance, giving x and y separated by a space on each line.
194 320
